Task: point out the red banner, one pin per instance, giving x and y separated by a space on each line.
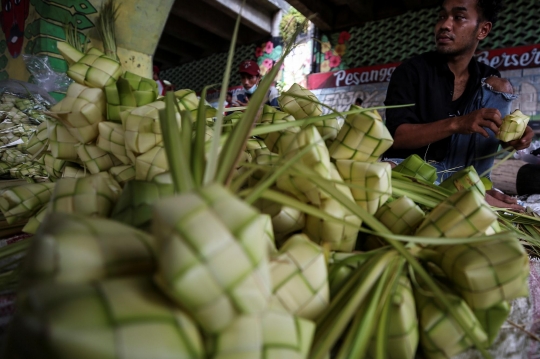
351 77
513 58
502 59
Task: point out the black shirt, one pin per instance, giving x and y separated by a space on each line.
427 82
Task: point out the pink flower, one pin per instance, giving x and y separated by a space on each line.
259 52
335 61
268 63
344 36
327 55
269 47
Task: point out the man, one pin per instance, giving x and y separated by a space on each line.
458 102
250 75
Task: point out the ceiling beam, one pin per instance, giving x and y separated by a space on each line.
322 13
194 35
212 20
362 9
252 16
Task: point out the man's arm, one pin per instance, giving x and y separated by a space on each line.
412 136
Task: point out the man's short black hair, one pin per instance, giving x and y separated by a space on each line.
490 9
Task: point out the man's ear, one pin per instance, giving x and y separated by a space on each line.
483 30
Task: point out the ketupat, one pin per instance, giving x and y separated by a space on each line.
371 182
401 216
464 179
71 248
129 91
273 333
363 137
93 196
141 126
300 278
485 273
328 233
463 214
94 158
197 233
416 167
93 69
22 202
81 110
112 139
440 335
61 141
513 126
119 317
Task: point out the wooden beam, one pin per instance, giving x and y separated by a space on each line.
252 16
322 12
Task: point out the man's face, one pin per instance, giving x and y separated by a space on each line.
248 81
458 27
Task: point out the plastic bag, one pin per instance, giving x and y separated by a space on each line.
44 75
525 154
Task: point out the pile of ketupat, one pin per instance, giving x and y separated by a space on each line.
166 234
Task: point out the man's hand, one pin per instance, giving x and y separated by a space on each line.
522 143
477 121
239 103
497 199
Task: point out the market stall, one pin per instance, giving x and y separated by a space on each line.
137 225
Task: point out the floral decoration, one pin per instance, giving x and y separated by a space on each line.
325 66
341 49
267 54
333 55
335 61
344 37
269 47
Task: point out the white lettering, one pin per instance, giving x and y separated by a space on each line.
373 76
340 75
356 78
515 61
349 79
483 57
525 59
537 58
390 72
382 75
495 62
364 77
506 59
